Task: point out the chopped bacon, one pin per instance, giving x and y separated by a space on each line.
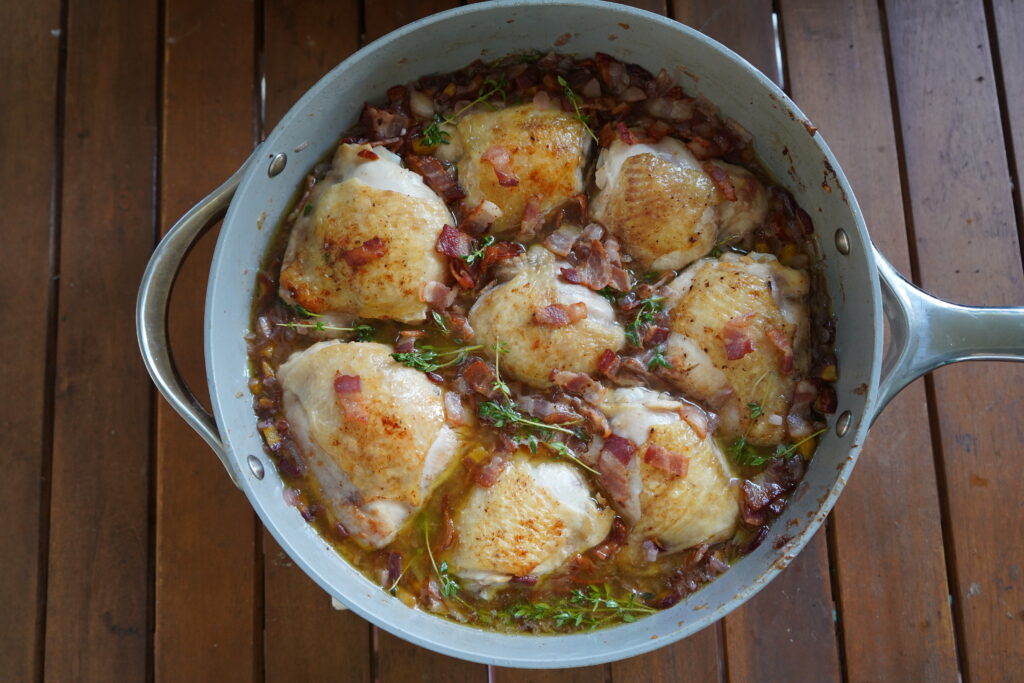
560 315
578 384
737 342
625 134
620 279
405 344
454 410
368 154
460 327
676 464
453 242
780 339
370 250
481 217
500 251
437 295
461 272
623 449
655 334
798 421
448 524
571 275
348 390
500 160
533 218
480 377
608 363
487 474
615 478
384 123
529 579
596 272
721 179
598 422
616 538
561 241
436 176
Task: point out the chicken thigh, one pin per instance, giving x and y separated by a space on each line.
661 202
521 314
675 488
537 515
738 340
373 434
525 159
366 247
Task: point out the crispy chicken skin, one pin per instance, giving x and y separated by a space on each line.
677 510
547 151
362 200
506 313
760 299
538 514
658 199
375 453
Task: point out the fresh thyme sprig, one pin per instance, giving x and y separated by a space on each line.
433 135
478 253
590 607
449 587
441 324
567 453
787 451
658 360
363 331
429 358
574 100
644 316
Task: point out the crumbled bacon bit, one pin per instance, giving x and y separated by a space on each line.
533 218
596 271
674 463
437 295
616 539
459 325
500 160
625 134
348 384
487 474
436 176
370 250
571 275
560 242
500 251
608 363
560 315
480 377
348 392
448 524
481 217
737 342
780 340
461 272
622 449
368 154
721 179
453 242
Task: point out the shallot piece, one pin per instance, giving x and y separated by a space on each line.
480 377
455 411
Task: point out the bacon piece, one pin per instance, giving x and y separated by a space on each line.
625 134
655 334
459 325
500 160
721 179
623 449
578 384
487 474
500 251
696 418
436 176
571 275
370 250
480 377
780 340
384 123
452 242
347 391
798 421
437 295
616 539
367 154
737 342
596 272
462 273
481 217
560 242
615 478
448 524
609 362
533 218
674 463
598 422
560 315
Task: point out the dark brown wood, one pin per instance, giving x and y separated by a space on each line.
206 578
98 589
306 639
896 620
583 674
1008 22
384 17
697 659
744 26
28 53
967 250
400 662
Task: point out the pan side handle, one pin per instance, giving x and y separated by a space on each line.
927 333
151 311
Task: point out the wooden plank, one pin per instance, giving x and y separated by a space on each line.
29 44
967 250
306 639
744 26
206 575
696 659
384 17
1008 23
98 593
583 674
896 619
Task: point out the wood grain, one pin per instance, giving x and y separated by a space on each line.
306 639
583 674
896 619
743 25
1008 24
206 626
400 662
697 659
28 167
98 592
967 250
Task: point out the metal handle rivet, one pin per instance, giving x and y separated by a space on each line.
255 466
843 423
842 241
277 164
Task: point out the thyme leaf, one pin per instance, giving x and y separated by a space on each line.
574 101
478 253
449 587
644 316
583 607
658 360
363 331
430 358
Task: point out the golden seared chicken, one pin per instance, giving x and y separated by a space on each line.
661 202
366 248
373 432
536 515
544 322
666 474
739 337
525 159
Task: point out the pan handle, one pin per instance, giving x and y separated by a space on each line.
927 333
151 311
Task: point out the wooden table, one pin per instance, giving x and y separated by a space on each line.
126 552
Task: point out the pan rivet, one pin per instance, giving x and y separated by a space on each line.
842 424
256 466
277 164
842 241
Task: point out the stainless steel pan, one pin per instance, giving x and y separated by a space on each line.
924 332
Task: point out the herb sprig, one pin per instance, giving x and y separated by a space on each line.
644 316
478 253
449 587
430 358
658 360
574 101
363 331
434 135
590 607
